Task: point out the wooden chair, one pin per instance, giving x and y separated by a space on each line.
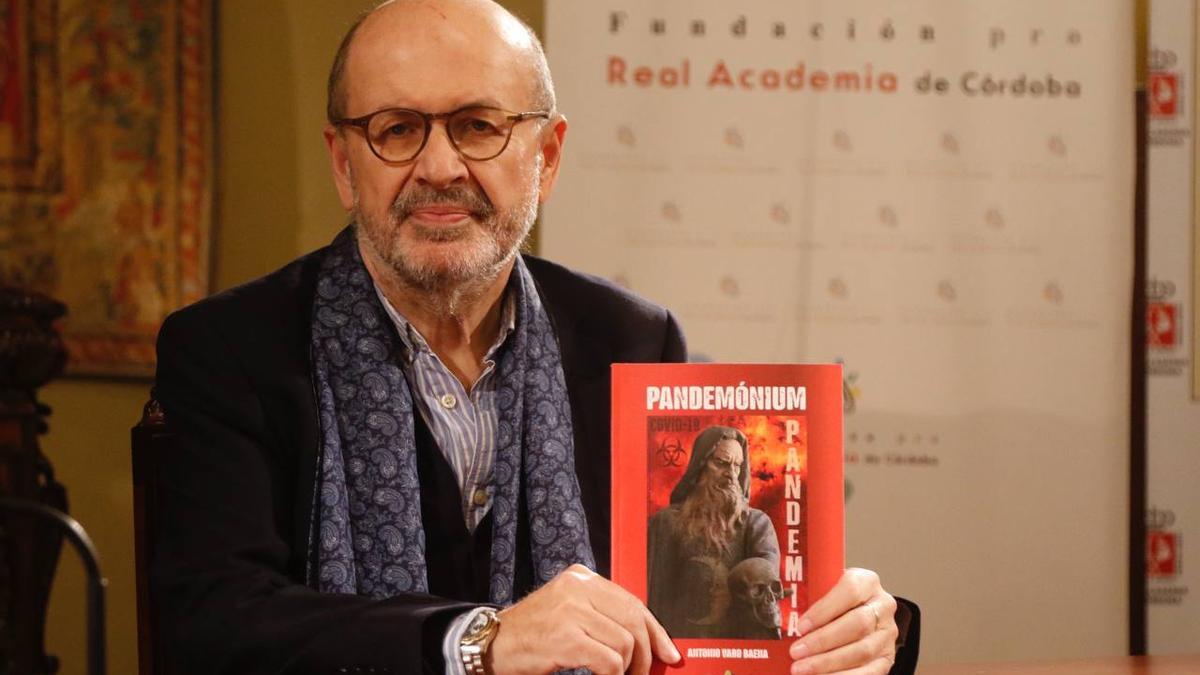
908 619
150 438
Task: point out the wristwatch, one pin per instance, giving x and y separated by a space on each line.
478 636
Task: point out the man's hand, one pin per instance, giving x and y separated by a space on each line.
852 629
578 620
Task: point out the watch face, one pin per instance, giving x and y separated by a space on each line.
481 626
478 623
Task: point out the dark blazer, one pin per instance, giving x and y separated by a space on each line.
229 574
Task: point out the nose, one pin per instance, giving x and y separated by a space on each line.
439 165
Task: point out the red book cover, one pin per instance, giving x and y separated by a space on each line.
727 503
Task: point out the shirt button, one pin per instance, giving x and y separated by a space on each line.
480 497
448 401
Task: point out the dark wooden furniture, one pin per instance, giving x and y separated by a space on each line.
149 439
32 520
60 524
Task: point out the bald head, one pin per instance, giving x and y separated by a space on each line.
484 24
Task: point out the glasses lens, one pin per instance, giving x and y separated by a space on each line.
396 134
479 133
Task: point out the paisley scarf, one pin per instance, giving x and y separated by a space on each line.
368 506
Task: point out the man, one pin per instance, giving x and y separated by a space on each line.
706 531
395 429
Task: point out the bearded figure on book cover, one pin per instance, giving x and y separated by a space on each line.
708 529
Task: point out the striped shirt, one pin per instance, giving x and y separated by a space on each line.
463 422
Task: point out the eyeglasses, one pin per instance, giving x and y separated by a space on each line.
477 132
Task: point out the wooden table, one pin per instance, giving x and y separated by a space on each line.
1117 665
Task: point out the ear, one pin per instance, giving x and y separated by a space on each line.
552 145
339 160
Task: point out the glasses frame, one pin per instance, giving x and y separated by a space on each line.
363 123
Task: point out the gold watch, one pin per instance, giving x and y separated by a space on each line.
475 641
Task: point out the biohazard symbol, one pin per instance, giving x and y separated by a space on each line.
671 452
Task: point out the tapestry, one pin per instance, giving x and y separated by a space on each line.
106 166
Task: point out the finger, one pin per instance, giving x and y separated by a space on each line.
880 666
625 614
643 657
879 647
595 656
854 588
625 608
663 647
658 638
611 634
856 624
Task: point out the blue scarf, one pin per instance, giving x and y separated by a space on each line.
370 539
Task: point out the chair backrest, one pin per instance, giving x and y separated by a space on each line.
908 620
150 438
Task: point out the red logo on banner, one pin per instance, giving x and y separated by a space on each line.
1164 95
1162 321
1162 553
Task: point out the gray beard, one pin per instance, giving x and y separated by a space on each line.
710 516
449 287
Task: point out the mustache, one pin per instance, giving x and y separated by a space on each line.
420 196
726 487
715 484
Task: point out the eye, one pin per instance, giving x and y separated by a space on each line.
477 123
397 125
480 125
400 129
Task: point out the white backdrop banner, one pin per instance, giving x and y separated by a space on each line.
939 194
1173 414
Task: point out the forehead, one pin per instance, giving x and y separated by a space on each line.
728 450
437 57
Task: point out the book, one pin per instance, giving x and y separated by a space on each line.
727 503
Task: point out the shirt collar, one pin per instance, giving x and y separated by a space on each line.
413 343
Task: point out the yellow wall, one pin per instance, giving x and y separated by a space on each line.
273 201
